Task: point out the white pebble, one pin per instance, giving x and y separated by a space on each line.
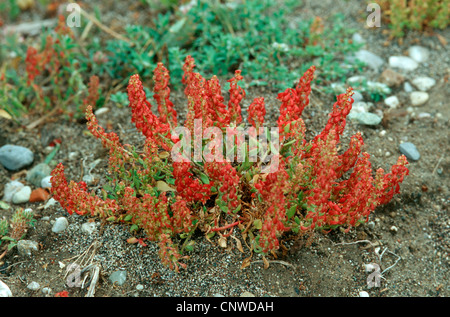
418 53
34 286
423 83
403 62
363 294
60 225
418 98
4 290
45 182
22 196
392 102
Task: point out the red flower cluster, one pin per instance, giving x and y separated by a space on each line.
167 113
294 101
273 190
142 116
226 180
74 197
256 112
187 186
236 95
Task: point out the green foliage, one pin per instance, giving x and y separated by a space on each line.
259 37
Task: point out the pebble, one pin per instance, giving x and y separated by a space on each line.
51 202
4 290
391 78
22 196
33 286
39 194
410 151
418 98
101 111
424 83
407 87
10 189
118 277
60 225
418 53
366 118
139 287
46 182
247 294
15 157
37 173
403 62
392 102
360 107
46 290
88 227
372 60
363 294
357 96
358 39
394 229
27 247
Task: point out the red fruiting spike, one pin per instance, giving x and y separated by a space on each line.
236 96
256 112
161 90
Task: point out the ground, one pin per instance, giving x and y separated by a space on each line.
416 256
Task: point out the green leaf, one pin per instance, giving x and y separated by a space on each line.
163 187
291 211
257 223
204 178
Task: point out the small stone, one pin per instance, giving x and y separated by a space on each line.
394 229
139 287
391 78
10 189
22 196
392 102
60 225
357 96
15 157
358 39
403 62
247 294
372 60
363 294
418 98
407 87
50 202
37 173
101 111
118 277
410 151
46 290
4 290
424 83
46 182
418 53
39 194
88 227
367 118
27 247
34 286
218 295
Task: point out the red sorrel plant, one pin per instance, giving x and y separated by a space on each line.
314 187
